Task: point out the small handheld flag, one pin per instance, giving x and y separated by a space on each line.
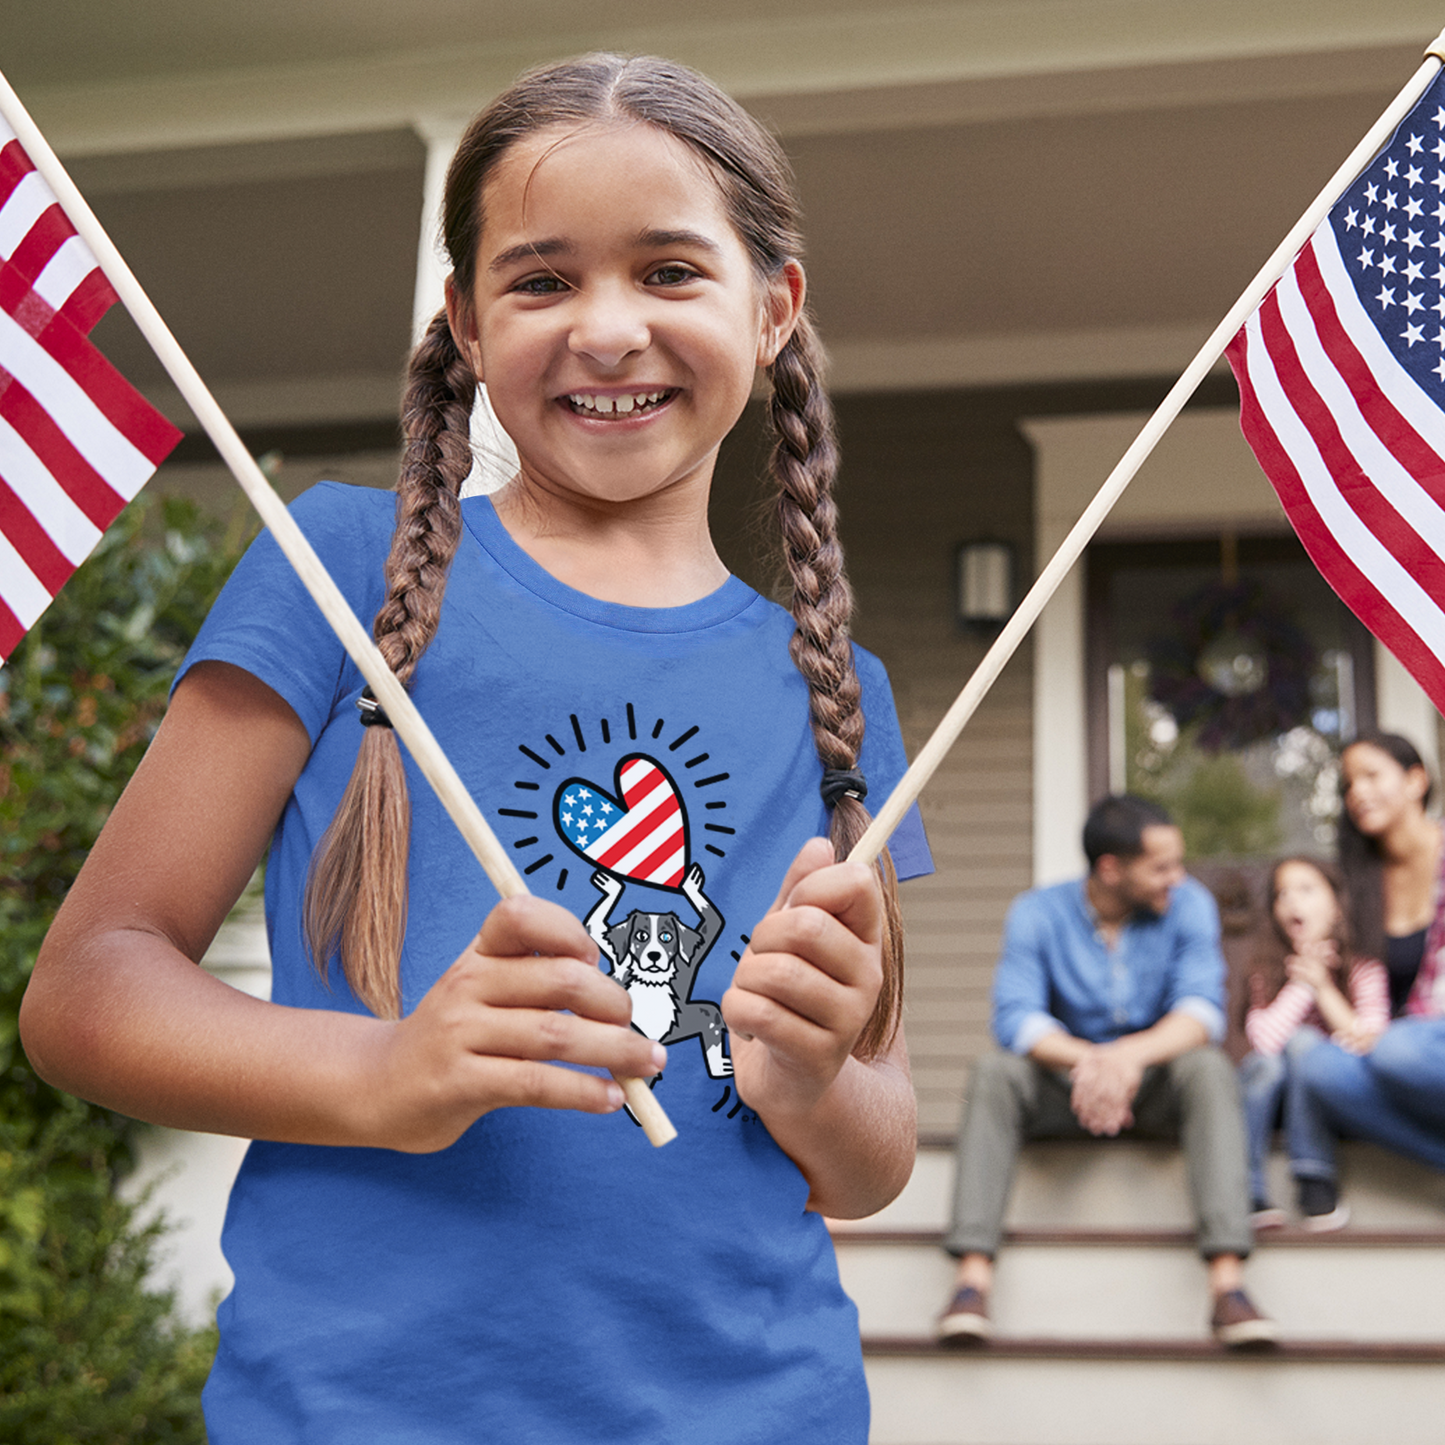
77 441
1341 375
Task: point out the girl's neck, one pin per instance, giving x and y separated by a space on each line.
653 552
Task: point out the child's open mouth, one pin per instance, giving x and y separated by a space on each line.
608 408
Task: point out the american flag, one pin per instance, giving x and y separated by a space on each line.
77 442
646 840
1341 374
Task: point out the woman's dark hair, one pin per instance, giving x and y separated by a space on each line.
356 894
1361 862
1266 968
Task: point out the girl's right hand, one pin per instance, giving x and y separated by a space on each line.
525 998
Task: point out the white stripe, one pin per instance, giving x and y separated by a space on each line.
66 269
1394 482
6 134
20 588
1356 540
44 498
1402 390
89 430
30 199
653 839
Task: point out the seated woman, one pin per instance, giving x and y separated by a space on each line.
1392 1091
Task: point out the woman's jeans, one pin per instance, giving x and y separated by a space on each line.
1393 1096
1265 1080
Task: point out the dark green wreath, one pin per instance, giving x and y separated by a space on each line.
1177 680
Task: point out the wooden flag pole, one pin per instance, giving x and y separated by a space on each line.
912 783
394 698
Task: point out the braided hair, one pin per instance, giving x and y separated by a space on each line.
356 903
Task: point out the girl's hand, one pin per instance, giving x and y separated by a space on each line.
806 984
1356 1038
525 997
1313 965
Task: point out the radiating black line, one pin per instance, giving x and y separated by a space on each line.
515 813
524 842
535 757
733 1112
716 778
535 787
673 746
561 880
737 957
577 733
658 728
727 1094
716 804
606 731
716 852
631 723
719 828
700 758
556 746
540 863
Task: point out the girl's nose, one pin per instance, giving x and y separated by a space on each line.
608 327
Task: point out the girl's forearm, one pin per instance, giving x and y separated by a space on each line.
857 1144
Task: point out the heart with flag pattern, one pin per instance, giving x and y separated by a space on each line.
638 831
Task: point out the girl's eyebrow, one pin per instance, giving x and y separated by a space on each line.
557 246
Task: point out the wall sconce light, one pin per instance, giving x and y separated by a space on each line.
984 583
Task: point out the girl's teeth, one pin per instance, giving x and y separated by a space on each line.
615 405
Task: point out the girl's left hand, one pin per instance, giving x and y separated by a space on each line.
1311 966
806 984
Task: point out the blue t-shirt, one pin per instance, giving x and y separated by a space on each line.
550 1277
1056 972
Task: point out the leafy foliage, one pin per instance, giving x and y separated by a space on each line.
87 1354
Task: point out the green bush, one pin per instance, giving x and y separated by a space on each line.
87 1352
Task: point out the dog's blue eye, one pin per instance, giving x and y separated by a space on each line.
665 937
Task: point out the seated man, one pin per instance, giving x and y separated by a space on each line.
1108 1004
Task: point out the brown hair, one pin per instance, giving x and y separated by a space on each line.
1361 862
356 902
1266 970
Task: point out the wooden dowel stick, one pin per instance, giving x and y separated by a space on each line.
912 783
436 767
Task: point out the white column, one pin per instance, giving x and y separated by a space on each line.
1401 706
494 456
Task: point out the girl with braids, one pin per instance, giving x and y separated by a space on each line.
447 1230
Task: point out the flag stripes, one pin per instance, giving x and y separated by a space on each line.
648 842
77 442
1355 450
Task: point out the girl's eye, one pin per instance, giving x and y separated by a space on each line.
674 273
544 285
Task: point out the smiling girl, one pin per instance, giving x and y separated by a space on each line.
446 1230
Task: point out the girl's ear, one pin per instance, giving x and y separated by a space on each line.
462 320
782 306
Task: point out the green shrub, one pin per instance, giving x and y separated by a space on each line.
87 1352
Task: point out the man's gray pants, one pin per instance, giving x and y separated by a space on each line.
1194 1098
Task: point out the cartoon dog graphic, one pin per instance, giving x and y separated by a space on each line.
655 957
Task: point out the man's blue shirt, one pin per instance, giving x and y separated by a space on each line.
1056 972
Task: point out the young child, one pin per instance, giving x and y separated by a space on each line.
1304 984
436 1238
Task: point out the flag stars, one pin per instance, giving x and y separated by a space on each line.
1440 338
1412 176
1411 334
1439 181
1392 168
1352 219
1368 227
1387 265
1439 307
1413 303
1438 149
1367 259
1390 203
1413 208
1413 271
1440 368
1372 194
1413 240
1387 232
1386 298
1414 145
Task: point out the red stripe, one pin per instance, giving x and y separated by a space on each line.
10 631
32 541
1415 454
100 502
15 165
1353 587
49 233
649 866
1356 489
644 780
89 301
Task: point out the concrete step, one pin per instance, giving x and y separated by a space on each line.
1132 1185
1120 1398
1320 1289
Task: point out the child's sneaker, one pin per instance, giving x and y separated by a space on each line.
1319 1203
1264 1215
965 1321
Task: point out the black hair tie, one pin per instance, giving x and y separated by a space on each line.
373 715
842 783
